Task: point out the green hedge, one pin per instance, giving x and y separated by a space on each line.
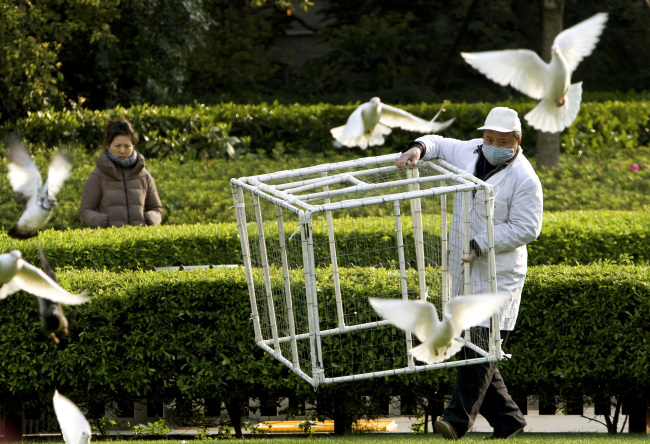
199 191
176 335
591 236
186 131
583 330
567 237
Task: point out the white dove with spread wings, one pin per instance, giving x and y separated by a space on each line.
373 120
438 337
17 274
38 200
550 83
74 425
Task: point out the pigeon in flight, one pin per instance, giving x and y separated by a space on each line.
38 200
17 274
371 121
73 423
550 83
53 320
438 337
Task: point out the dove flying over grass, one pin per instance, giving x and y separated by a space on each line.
438 337
38 200
17 274
371 121
550 83
73 423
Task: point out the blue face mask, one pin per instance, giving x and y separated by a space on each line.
497 155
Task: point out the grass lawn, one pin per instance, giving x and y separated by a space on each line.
398 438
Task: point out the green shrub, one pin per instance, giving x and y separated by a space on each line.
173 335
582 330
591 236
186 131
199 191
567 237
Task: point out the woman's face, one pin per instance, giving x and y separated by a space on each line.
121 147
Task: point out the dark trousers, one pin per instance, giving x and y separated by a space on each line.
480 389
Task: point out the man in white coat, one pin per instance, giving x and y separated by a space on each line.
497 159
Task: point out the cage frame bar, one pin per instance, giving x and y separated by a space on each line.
465 183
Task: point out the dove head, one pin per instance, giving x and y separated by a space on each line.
375 101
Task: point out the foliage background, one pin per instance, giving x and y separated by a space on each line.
103 53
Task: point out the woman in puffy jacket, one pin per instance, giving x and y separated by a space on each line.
120 191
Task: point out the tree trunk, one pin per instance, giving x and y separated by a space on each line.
548 144
234 408
342 419
639 415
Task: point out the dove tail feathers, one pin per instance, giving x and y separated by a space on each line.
377 136
548 117
425 353
337 132
430 355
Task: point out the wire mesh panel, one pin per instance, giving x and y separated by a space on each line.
318 241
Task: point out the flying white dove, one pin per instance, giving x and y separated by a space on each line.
53 320
550 83
371 121
38 200
73 423
438 337
17 274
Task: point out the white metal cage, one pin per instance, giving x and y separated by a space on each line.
315 240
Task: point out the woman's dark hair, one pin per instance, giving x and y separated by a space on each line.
119 127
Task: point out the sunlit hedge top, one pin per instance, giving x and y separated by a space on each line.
206 131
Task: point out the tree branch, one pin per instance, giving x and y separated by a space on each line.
594 419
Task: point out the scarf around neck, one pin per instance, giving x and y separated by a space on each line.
129 161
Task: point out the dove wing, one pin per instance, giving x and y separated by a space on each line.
34 281
23 175
578 41
352 128
471 310
8 289
58 173
522 69
72 421
398 118
418 317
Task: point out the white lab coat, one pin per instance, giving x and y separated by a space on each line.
517 221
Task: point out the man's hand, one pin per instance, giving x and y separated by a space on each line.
412 155
471 257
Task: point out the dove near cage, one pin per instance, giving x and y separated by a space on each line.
318 242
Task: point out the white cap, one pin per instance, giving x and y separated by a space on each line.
503 120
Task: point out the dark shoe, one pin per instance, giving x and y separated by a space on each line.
445 429
506 435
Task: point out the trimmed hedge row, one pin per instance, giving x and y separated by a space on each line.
582 236
171 335
583 330
199 191
201 131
